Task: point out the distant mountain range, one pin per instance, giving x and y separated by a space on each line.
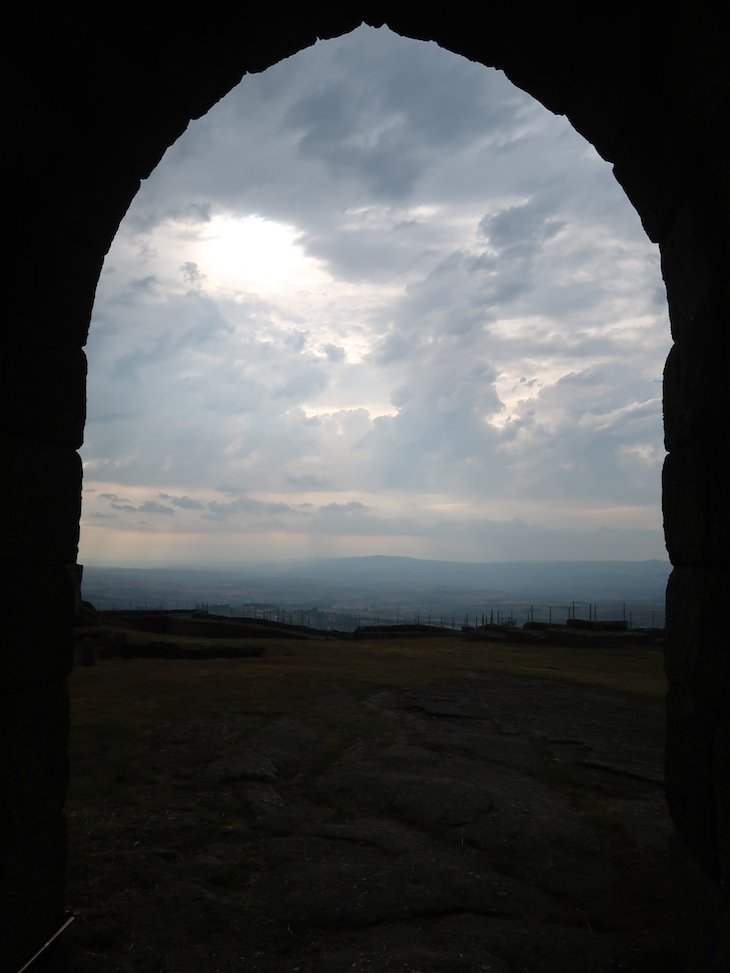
587 580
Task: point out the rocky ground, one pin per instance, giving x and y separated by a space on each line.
503 823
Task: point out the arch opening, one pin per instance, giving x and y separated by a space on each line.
515 235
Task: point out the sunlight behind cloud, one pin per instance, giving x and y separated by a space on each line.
254 254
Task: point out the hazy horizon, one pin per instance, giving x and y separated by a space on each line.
292 562
394 587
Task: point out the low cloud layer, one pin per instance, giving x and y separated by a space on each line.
378 300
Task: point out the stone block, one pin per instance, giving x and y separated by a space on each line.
42 386
597 113
689 776
40 493
654 164
549 45
697 653
33 762
722 789
54 274
32 873
717 164
692 256
701 913
695 487
38 620
601 96
701 88
694 387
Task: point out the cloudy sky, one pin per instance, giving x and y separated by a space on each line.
377 301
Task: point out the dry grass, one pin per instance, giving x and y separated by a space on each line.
291 672
122 796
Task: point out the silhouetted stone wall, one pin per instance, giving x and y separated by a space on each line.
90 106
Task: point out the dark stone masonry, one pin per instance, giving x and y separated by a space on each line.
93 98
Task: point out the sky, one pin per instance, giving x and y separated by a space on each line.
377 301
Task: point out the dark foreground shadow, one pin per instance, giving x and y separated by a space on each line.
499 823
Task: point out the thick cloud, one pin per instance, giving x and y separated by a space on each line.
379 293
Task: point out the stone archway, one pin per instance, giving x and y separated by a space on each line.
93 109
